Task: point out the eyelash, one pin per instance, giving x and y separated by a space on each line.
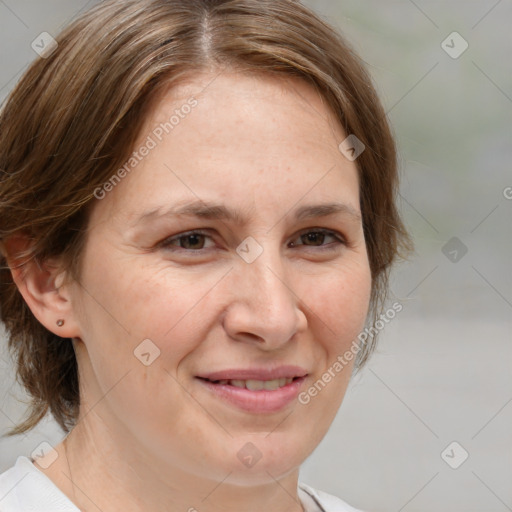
167 243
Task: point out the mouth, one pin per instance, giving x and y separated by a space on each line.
255 385
256 390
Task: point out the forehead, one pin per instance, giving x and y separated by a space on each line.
238 138
258 106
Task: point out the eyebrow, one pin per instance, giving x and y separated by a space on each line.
214 211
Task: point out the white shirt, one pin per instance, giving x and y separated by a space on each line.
25 488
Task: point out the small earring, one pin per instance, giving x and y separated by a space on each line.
60 322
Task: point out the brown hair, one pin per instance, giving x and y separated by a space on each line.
74 116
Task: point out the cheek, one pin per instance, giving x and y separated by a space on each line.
174 308
340 303
146 300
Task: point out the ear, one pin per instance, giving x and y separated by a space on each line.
43 286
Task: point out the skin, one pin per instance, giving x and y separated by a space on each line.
152 437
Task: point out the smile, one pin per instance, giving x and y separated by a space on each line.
258 391
256 385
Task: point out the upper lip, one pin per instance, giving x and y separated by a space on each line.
280 372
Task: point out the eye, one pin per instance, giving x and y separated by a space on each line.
317 237
191 241
196 241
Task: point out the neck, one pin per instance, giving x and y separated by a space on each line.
98 471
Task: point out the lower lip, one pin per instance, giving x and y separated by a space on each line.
260 401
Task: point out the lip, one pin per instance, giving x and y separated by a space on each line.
280 372
260 401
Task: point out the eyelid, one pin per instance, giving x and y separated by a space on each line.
329 232
167 241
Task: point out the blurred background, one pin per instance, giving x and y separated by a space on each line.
427 424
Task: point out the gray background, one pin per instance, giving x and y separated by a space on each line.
442 370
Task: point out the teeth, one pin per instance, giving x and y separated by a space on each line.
271 385
258 385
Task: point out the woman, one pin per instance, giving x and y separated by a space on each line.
197 221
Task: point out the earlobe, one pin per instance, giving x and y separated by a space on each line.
43 289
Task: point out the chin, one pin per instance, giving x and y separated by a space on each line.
263 458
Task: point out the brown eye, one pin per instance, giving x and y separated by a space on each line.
313 238
317 238
191 241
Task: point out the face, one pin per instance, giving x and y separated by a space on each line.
230 258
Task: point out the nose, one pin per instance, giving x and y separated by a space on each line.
265 309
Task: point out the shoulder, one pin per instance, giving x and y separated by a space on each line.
24 488
324 502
